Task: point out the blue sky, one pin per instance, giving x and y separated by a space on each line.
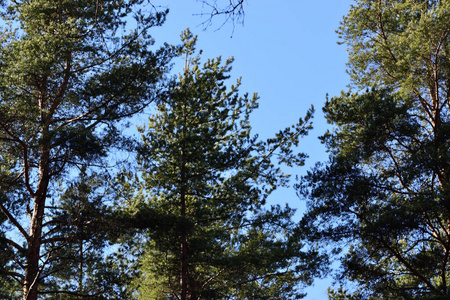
287 52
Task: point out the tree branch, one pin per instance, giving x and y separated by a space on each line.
14 221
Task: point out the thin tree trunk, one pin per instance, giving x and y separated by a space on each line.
184 268
184 279
30 287
33 254
80 274
184 245
32 272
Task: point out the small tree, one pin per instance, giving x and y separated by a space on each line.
208 176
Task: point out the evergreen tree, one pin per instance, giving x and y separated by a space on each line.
70 72
209 178
83 265
384 193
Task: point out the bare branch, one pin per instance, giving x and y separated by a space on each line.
233 12
16 276
14 244
14 221
25 157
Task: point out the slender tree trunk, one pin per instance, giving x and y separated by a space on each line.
184 268
30 287
32 273
33 254
80 274
184 245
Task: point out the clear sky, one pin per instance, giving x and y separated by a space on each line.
287 52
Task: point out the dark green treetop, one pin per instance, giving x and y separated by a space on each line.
70 71
204 171
384 193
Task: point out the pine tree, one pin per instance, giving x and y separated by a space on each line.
385 190
84 264
71 71
208 177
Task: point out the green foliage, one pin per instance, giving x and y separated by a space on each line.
341 294
397 43
384 193
71 71
205 173
82 264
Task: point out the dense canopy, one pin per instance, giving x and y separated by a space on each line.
88 211
384 190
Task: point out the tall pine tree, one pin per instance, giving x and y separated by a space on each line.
71 70
385 189
209 178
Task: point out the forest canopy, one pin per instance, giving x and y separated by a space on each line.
180 209
383 194
184 216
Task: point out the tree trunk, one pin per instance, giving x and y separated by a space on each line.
32 272
31 282
184 268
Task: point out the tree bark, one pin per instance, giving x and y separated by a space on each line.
30 291
184 268
32 272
